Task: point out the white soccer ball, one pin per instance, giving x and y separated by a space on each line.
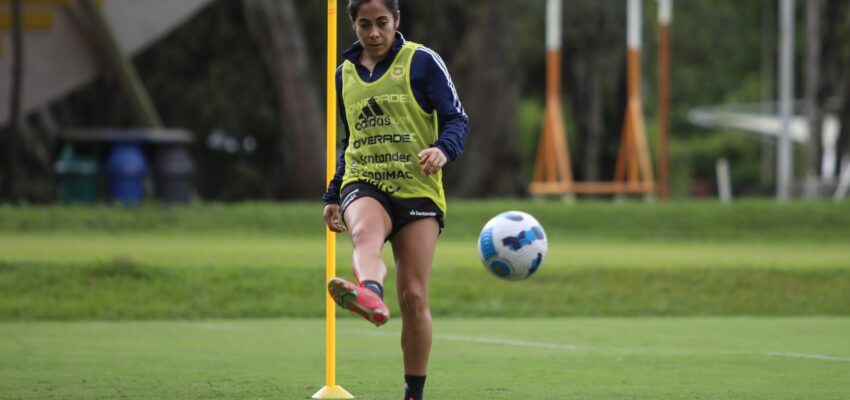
512 245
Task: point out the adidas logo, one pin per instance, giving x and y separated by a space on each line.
372 116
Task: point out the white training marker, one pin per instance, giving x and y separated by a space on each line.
634 16
665 12
553 24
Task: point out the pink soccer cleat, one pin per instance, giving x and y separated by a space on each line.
360 300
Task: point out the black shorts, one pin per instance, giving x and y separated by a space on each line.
401 211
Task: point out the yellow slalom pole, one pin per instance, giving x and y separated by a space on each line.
331 389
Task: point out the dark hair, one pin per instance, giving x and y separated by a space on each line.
354 7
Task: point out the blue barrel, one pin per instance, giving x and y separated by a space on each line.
127 170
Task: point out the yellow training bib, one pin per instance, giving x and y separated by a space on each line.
387 130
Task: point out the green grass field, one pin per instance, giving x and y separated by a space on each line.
64 275
221 250
576 358
634 301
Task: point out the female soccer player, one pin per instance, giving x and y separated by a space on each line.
403 123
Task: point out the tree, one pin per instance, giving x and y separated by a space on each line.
276 27
11 167
814 95
490 89
595 57
826 67
838 48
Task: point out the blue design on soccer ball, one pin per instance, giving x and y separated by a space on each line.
511 216
486 244
535 264
525 238
500 268
538 231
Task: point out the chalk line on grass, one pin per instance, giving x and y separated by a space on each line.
809 356
576 347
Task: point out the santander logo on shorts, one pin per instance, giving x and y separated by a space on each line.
416 213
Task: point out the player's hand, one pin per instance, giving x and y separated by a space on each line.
432 159
331 215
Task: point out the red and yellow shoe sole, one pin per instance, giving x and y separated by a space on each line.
345 295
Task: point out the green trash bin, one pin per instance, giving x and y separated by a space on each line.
77 176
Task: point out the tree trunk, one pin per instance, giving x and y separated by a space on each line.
448 25
11 168
843 145
489 86
835 47
594 57
120 65
591 156
277 29
768 92
814 99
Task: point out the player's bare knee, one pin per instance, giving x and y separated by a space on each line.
413 303
361 237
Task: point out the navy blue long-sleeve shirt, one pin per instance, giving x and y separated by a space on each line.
434 91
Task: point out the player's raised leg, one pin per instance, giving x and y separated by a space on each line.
413 248
368 225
